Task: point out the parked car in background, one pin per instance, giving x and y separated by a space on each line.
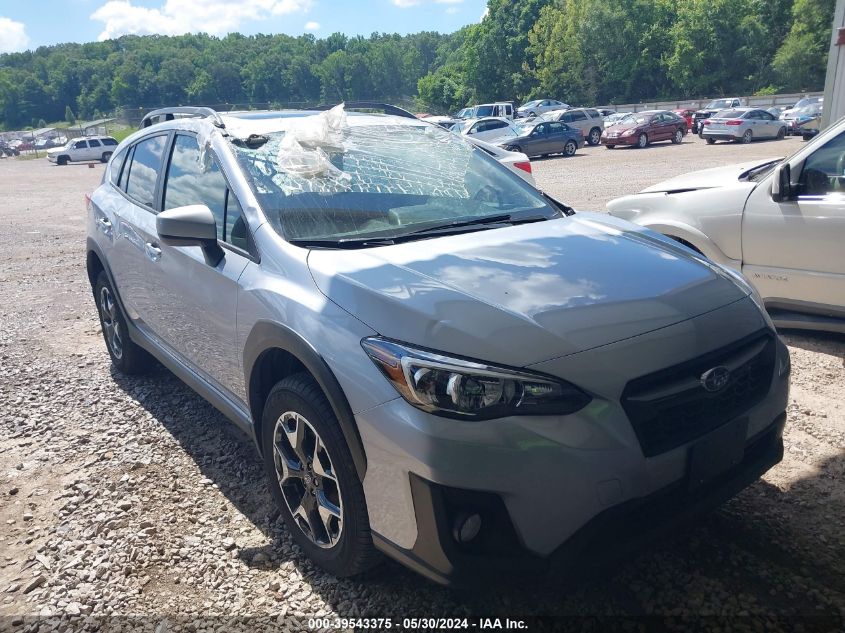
441 120
434 360
795 119
82 149
588 120
539 106
6 150
486 128
517 162
801 104
775 111
463 113
643 128
686 115
779 222
712 108
742 124
615 118
606 112
503 109
541 138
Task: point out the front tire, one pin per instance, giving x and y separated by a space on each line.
610 146
61 160
127 356
570 148
711 141
313 478
642 141
594 137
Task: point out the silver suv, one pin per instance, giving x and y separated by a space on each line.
589 120
434 359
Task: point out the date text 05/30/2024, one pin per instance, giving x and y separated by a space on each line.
377 624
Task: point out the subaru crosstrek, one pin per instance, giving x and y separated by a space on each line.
435 360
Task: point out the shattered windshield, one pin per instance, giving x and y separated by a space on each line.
366 178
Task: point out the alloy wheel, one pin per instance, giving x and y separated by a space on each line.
111 324
746 138
569 149
642 141
679 137
307 479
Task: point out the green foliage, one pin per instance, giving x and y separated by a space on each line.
797 60
581 51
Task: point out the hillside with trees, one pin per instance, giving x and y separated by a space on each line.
582 51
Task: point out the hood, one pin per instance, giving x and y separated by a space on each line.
520 295
709 178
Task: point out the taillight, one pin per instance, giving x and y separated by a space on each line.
524 165
734 122
705 122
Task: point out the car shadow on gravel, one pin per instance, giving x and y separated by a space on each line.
757 547
830 343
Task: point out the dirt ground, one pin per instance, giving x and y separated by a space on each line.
131 504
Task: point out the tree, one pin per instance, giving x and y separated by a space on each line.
801 61
69 116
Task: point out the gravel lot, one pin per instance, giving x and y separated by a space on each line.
131 504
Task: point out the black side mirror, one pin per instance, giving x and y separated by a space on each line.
782 183
193 225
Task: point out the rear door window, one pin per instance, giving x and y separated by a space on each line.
144 168
116 167
93 143
578 116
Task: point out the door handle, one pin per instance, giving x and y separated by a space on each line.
153 252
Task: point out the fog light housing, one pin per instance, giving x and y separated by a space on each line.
467 527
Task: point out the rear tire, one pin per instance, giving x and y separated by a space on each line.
105 157
781 133
678 136
570 148
342 547
711 141
594 137
126 356
747 137
610 146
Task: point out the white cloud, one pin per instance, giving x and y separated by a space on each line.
312 26
448 1
404 4
13 37
451 10
175 17
485 14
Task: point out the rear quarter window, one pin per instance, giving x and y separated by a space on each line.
109 141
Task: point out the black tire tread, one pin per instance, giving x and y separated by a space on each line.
364 555
135 360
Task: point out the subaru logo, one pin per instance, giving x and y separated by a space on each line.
715 379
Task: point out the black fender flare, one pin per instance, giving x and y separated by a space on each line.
266 335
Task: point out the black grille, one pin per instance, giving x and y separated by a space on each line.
671 407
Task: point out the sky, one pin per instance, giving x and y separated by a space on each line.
28 24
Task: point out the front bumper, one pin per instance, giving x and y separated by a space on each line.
51 158
611 537
606 139
544 480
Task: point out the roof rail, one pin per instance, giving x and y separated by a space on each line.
168 114
371 105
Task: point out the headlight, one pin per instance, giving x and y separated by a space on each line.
628 132
469 390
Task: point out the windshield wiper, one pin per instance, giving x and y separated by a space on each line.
459 225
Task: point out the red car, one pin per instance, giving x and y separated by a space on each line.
642 128
686 115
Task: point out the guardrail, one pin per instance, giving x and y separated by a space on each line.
759 101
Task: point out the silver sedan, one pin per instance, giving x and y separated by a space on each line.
742 124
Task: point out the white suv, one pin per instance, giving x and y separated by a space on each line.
588 120
83 149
